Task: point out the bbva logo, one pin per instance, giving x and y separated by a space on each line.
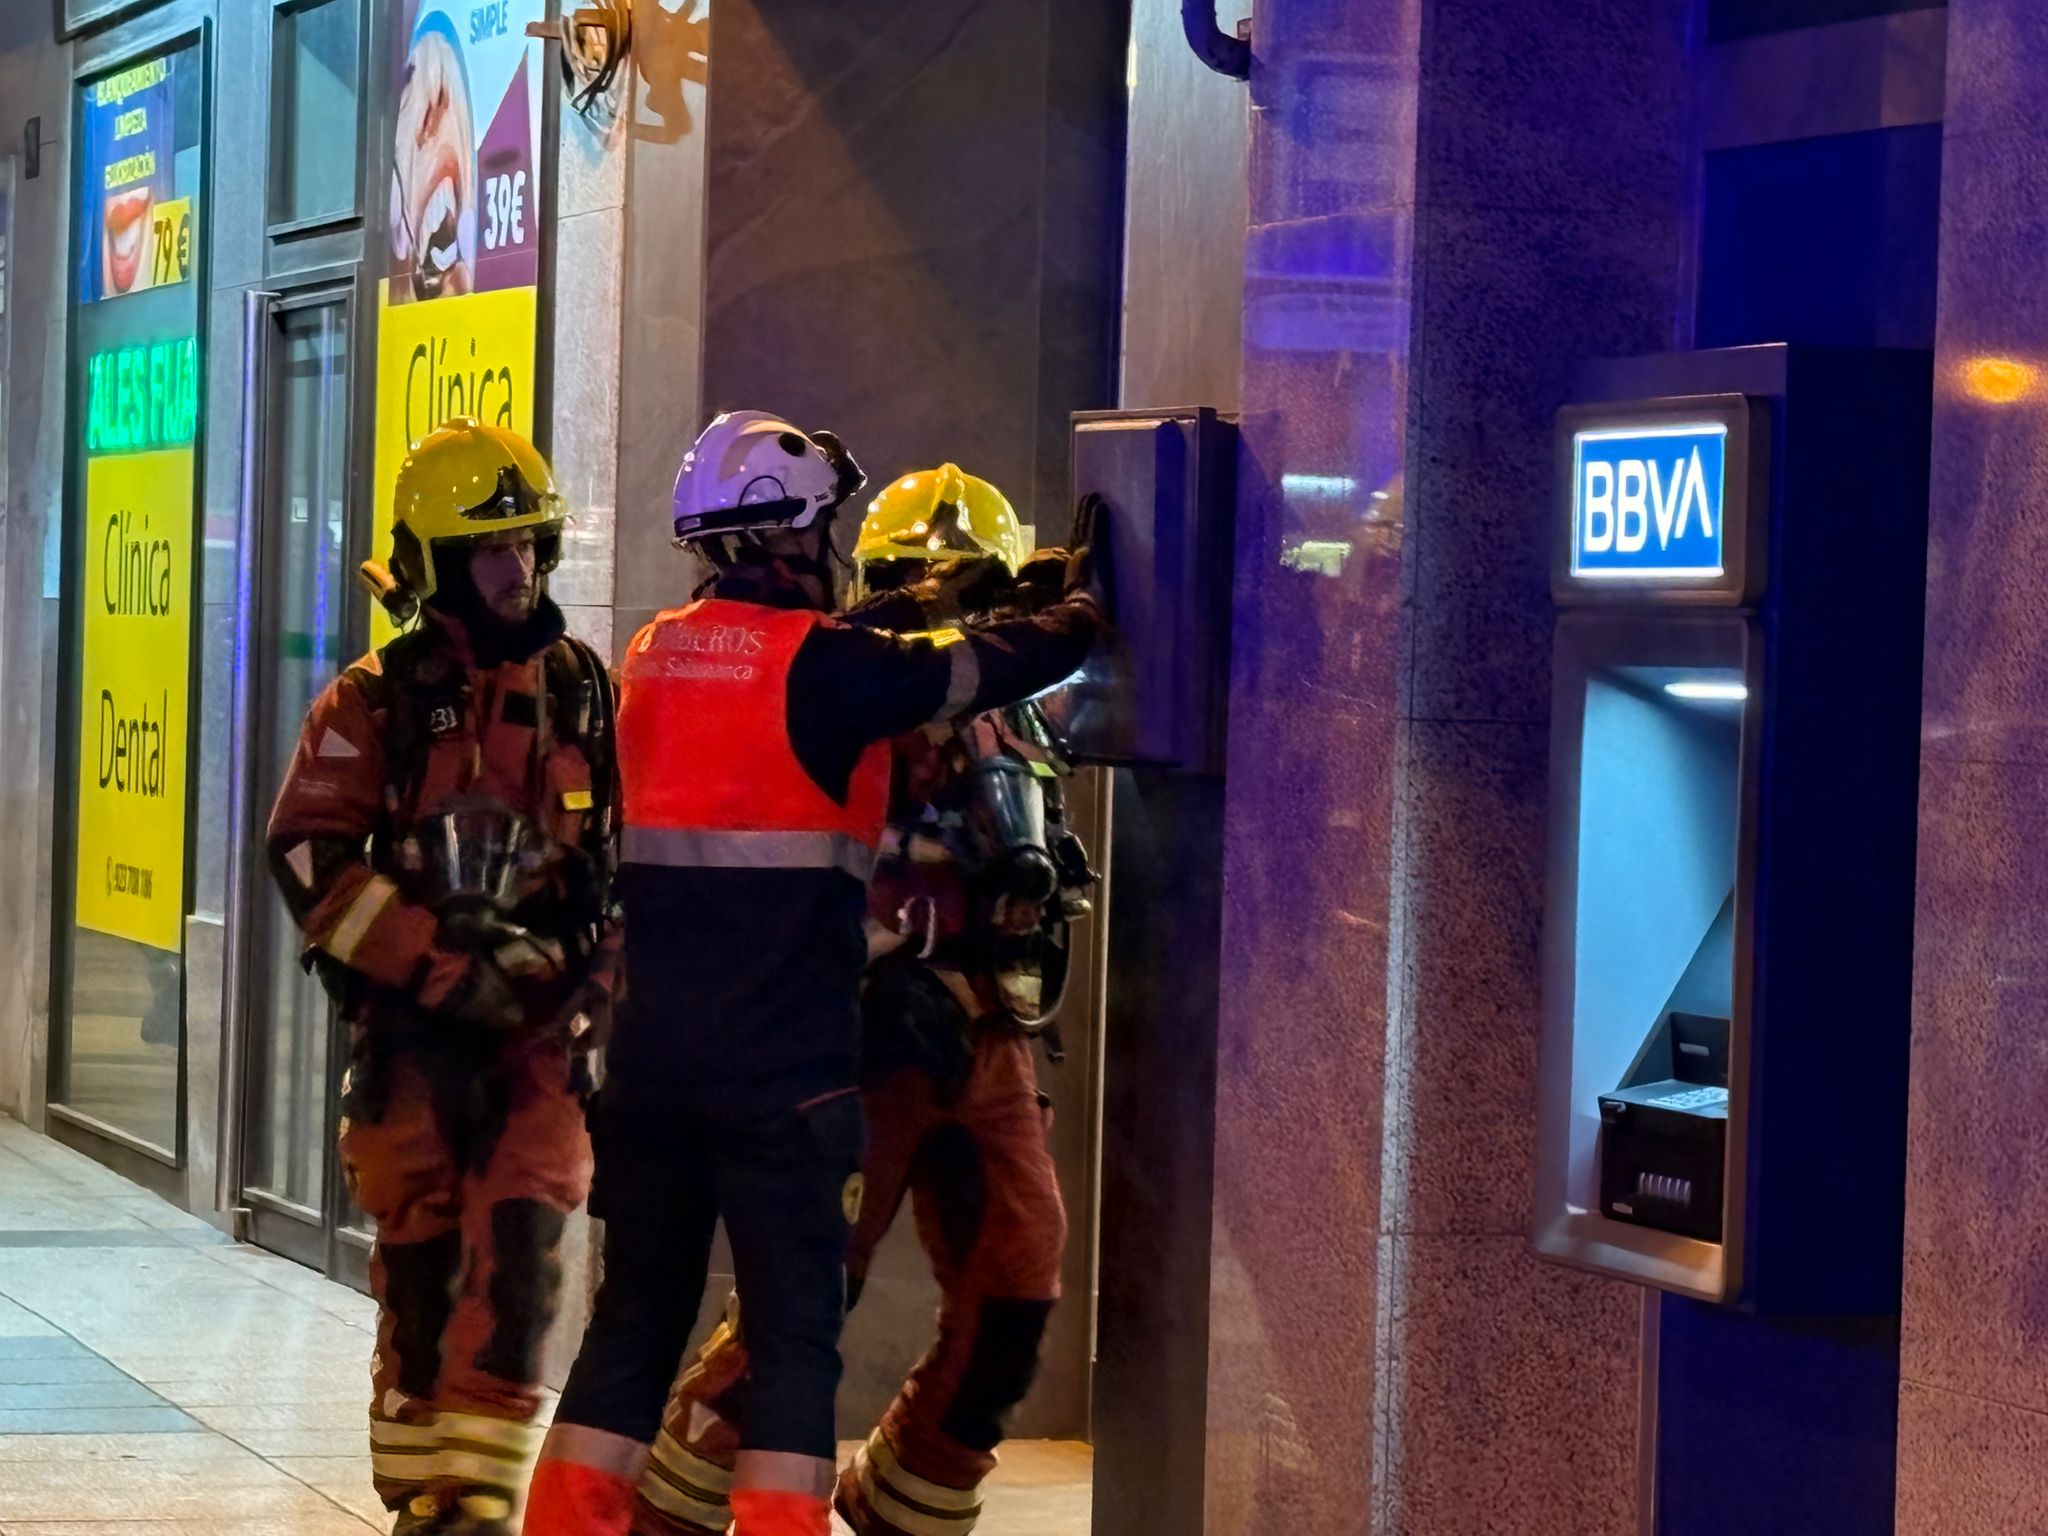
1623 500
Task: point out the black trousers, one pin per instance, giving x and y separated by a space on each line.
784 1183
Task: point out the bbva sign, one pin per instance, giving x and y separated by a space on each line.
1647 501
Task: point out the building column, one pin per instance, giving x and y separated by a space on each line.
1452 202
1973 1425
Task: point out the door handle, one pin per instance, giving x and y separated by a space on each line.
227 1184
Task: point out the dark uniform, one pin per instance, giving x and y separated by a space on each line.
756 787
956 1124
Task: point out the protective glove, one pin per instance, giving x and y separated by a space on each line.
963 587
513 974
1088 563
485 996
517 951
1081 566
1042 578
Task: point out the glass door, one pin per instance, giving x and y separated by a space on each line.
302 638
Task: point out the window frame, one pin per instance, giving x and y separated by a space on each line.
277 229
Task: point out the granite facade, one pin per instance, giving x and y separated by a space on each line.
1452 202
1974 1406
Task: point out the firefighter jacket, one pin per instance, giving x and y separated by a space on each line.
401 736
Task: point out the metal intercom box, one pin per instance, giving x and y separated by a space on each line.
1154 693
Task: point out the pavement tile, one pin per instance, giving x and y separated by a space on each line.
131 1490
199 1445
114 1391
50 1205
165 1420
17 1322
337 1523
40 1370
344 1479
329 1413
270 1385
270 1443
43 1346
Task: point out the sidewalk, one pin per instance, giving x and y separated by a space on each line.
159 1380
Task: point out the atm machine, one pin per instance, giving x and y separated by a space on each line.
1738 569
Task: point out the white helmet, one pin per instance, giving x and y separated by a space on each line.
750 471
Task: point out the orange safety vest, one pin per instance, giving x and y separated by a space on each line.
711 780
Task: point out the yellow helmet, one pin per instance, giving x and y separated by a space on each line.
462 481
937 514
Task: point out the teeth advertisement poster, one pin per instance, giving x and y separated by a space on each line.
139 187
458 307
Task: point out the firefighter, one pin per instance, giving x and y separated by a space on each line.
968 920
444 839
753 742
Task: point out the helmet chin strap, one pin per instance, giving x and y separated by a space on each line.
753 567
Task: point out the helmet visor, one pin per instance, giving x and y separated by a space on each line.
513 500
946 535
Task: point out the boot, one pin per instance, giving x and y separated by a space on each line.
846 1498
481 1513
422 1514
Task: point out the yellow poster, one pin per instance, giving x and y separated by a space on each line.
471 355
135 663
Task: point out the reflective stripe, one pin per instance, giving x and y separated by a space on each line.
700 848
377 894
785 1472
417 1466
704 1475
400 1434
512 1437
402 1451
913 1522
964 681
477 1469
476 1448
681 1501
620 1456
957 1503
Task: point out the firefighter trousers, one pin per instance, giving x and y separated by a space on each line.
469 1154
980 1177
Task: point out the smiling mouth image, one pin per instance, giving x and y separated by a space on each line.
440 227
436 167
127 232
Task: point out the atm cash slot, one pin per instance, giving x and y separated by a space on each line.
1664 1131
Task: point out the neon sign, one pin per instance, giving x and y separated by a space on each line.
142 397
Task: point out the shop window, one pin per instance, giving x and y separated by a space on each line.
315 112
130 585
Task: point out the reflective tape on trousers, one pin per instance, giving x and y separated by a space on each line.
697 1471
700 848
880 1456
660 1489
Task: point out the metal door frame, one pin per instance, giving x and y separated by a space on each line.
314 1237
